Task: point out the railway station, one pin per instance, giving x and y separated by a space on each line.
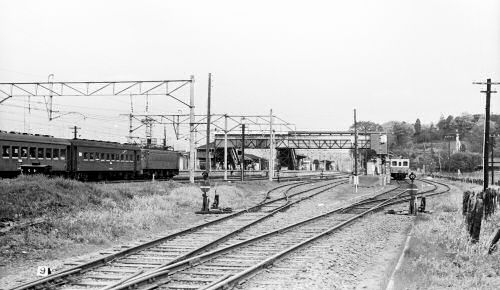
264 145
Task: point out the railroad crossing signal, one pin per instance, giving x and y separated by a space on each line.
412 176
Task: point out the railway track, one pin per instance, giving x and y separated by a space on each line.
234 178
240 258
164 251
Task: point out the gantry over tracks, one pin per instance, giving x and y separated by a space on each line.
115 267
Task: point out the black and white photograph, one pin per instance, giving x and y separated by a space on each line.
184 145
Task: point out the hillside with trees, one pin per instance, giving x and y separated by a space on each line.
433 145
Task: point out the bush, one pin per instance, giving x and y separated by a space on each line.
465 161
36 195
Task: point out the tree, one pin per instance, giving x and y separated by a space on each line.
368 126
477 135
449 123
465 161
402 132
441 124
445 126
418 127
464 124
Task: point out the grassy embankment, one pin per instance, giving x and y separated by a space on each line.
440 255
79 214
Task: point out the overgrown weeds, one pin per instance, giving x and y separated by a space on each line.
76 213
441 254
35 196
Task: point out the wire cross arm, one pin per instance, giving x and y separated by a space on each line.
485 83
98 88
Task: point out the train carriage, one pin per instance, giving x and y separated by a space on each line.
99 160
23 153
399 168
161 163
32 153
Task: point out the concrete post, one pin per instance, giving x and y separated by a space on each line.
191 131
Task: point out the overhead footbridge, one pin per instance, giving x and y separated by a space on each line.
306 140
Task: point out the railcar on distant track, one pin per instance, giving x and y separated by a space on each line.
32 154
83 159
160 163
399 168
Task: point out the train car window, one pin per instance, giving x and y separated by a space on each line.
405 163
55 153
32 151
24 152
112 156
103 157
6 151
130 158
138 157
40 153
96 156
91 156
48 153
63 154
85 156
394 163
15 151
121 157
107 156
400 163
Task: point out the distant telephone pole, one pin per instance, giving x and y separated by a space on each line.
208 165
75 132
355 145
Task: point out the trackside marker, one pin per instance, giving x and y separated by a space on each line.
43 271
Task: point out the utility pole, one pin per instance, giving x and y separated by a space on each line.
207 163
164 137
366 152
486 138
486 134
225 147
191 131
271 147
492 146
50 94
75 132
355 145
242 152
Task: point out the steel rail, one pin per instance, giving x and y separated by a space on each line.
172 268
226 237
226 280
229 281
117 255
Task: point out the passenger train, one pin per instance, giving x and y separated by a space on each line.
83 159
399 168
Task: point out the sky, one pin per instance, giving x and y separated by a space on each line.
312 62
